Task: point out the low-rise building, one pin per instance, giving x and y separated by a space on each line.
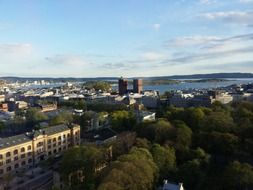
27 150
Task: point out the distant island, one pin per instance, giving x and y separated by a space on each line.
206 80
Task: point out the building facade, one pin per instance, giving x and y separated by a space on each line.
27 150
137 86
122 86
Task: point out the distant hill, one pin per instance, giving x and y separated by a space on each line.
213 76
195 76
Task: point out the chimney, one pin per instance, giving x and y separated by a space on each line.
181 186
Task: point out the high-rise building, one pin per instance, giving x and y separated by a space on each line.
122 86
137 86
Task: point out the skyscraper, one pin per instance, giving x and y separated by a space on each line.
122 86
137 85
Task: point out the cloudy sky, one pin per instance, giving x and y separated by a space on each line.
93 38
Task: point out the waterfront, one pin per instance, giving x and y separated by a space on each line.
193 85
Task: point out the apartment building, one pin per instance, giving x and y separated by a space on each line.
27 150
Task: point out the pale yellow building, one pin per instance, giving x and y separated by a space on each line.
27 150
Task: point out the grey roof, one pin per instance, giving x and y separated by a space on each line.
23 138
55 129
14 140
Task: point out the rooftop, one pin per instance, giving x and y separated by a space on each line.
23 138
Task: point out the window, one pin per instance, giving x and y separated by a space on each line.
59 138
54 139
22 149
49 153
22 156
15 158
1 156
29 147
30 160
1 171
49 141
8 169
15 152
8 154
29 154
39 144
23 163
55 150
64 148
16 166
49 146
59 149
1 163
8 161
68 135
59 143
64 136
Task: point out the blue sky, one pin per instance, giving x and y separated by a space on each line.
93 38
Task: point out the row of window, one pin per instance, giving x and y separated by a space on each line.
15 152
22 156
55 150
54 145
9 168
59 138
8 154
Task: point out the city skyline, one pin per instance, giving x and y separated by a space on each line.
130 38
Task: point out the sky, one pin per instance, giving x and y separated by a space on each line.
130 38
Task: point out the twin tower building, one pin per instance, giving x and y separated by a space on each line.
123 86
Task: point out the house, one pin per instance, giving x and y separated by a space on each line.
172 186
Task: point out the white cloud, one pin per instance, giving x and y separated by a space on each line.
153 56
192 41
156 26
16 49
68 60
238 17
207 1
246 1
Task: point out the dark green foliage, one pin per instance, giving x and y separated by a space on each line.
62 118
86 159
133 171
34 116
238 176
123 120
98 85
101 107
75 104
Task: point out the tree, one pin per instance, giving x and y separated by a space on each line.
238 176
218 121
183 135
191 174
34 116
219 144
123 120
165 159
98 85
194 117
88 160
133 171
62 118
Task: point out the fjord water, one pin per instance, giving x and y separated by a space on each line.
197 85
